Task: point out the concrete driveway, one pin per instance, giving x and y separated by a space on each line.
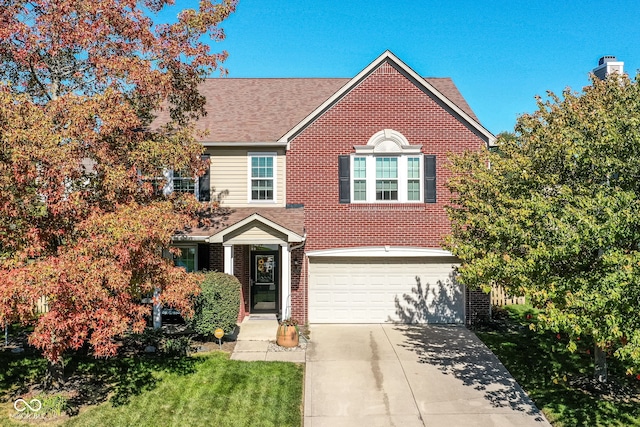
405 376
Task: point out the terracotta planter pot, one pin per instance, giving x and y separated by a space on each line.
287 336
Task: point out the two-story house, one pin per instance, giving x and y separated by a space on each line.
336 194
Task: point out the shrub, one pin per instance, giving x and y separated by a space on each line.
499 313
217 304
177 346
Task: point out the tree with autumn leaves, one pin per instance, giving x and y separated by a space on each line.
82 221
553 213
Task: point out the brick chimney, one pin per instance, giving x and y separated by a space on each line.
607 65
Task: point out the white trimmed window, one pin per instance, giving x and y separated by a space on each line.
379 179
414 182
183 182
386 170
262 177
359 179
188 258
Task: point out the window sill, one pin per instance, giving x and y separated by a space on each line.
398 207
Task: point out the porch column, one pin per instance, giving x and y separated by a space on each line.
228 259
285 262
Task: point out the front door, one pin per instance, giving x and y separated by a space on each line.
264 281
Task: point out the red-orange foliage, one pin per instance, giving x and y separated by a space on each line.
79 221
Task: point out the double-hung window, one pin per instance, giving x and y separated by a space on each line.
188 258
262 177
414 183
183 182
386 179
360 179
387 170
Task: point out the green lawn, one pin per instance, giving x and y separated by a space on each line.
559 381
203 390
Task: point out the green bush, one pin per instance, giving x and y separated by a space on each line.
177 346
217 304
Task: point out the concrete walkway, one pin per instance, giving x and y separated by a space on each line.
406 376
255 341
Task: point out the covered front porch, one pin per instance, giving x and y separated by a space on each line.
263 248
265 256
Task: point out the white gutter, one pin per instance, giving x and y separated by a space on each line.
186 238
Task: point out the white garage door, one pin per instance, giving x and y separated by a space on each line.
376 290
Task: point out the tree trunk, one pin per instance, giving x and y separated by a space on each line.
600 364
157 310
55 375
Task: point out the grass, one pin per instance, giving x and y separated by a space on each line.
560 382
203 390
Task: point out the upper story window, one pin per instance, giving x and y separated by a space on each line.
386 179
183 182
386 170
262 177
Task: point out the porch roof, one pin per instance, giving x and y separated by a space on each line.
287 222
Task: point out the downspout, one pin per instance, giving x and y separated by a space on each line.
304 240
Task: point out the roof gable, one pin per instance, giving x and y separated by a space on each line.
256 221
442 90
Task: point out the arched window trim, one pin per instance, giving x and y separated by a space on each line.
387 141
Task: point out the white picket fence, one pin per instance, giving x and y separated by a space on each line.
42 305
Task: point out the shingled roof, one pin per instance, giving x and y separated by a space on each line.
264 109
290 218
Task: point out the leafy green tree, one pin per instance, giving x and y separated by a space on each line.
554 214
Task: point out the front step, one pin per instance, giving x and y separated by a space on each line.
262 316
258 327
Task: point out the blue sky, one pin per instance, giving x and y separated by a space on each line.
499 53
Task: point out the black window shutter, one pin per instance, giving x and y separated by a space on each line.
429 178
204 183
345 184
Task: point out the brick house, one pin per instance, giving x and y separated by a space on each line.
335 192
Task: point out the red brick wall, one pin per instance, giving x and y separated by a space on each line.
386 99
216 257
298 285
478 306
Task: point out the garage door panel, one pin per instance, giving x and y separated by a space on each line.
368 290
324 297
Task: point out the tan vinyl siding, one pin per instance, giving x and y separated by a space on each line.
256 233
230 175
